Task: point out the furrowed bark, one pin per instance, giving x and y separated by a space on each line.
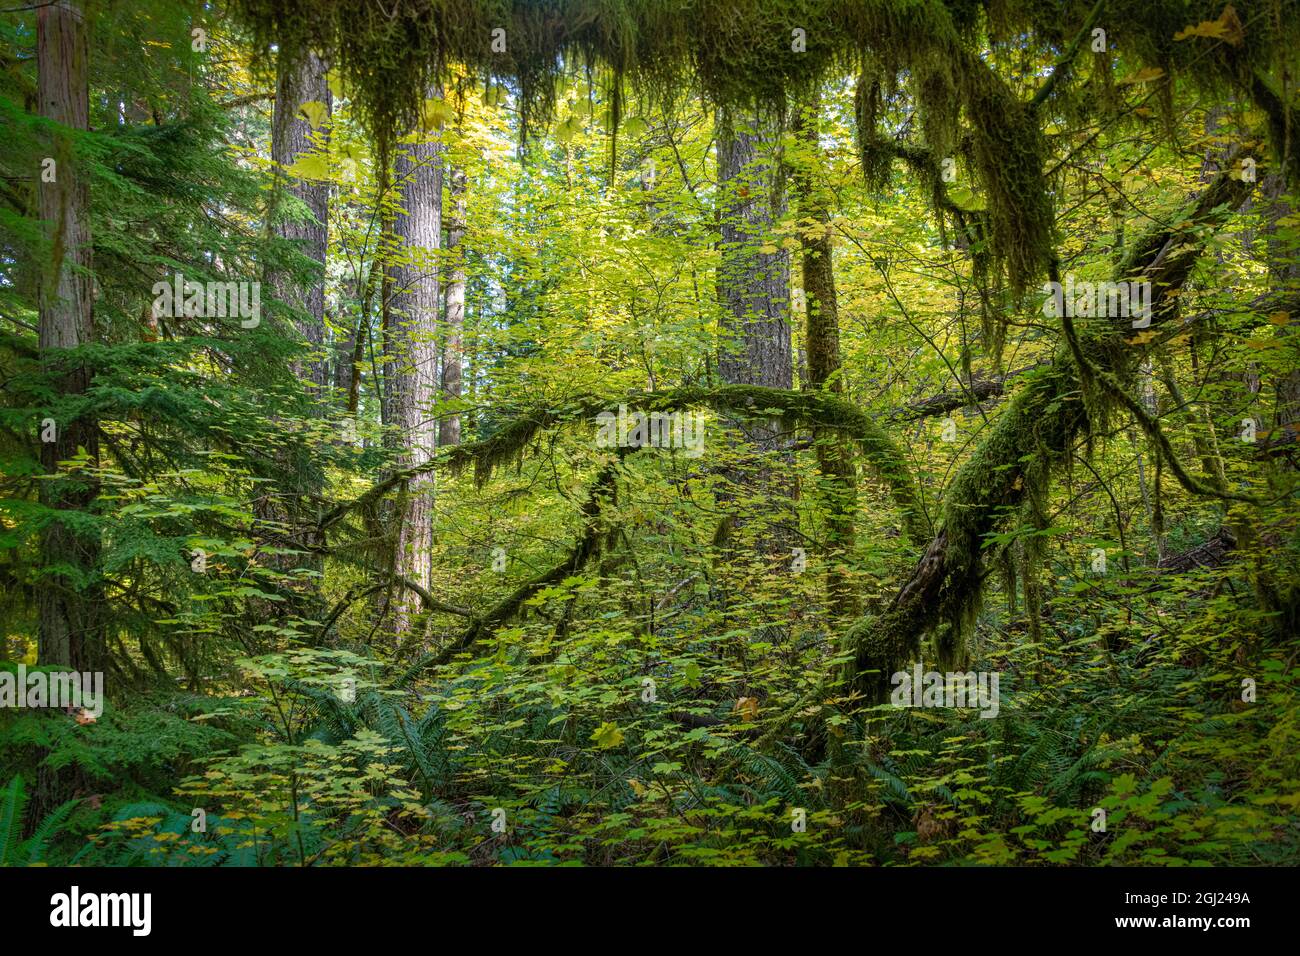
71 629
301 80
411 358
753 287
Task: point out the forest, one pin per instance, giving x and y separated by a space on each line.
658 433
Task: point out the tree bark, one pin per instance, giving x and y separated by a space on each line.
454 326
753 290
753 286
411 357
71 626
301 80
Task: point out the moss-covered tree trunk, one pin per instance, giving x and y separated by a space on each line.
1284 274
71 625
1284 429
838 481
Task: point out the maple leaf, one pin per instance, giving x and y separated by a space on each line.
607 735
315 111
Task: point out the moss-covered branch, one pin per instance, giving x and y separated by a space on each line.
820 409
980 390
1032 435
586 545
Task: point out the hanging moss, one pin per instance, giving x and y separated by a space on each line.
735 53
1031 438
1008 156
819 409
742 52
822 409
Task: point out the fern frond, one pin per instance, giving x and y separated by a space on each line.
13 800
36 845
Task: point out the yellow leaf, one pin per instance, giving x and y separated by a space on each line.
570 128
607 735
436 113
315 111
337 86
310 166
747 707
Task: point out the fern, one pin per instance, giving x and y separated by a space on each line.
12 803
893 786
35 847
14 851
773 777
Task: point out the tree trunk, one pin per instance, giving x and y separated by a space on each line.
1284 273
838 484
411 358
301 80
453 344
71 626
753 286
